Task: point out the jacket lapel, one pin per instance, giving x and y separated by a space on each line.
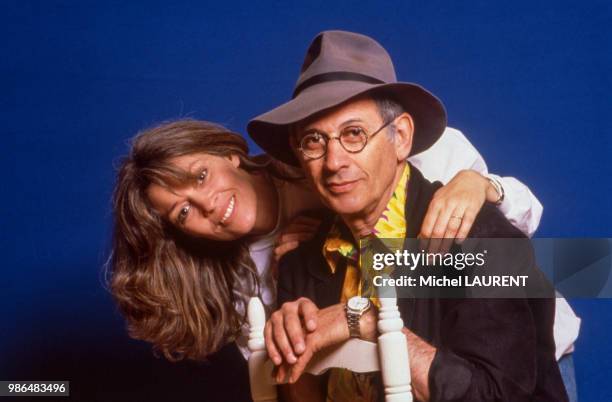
327 286
419 194
328 292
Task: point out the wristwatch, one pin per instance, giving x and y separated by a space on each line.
355 307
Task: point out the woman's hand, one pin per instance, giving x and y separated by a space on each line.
454 207
302 228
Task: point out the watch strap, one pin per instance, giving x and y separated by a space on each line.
353 323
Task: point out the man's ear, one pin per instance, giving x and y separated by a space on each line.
404 130
234 159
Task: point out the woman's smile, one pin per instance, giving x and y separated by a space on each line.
229 210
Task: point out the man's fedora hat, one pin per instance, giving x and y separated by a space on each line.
340 66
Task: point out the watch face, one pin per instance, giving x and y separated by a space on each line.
358 303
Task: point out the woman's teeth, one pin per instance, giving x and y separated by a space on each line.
228 212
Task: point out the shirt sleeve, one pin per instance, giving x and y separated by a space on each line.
520 206
566 329
454 152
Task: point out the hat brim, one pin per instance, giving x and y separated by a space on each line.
271 130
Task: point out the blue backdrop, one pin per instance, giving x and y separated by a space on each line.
528 82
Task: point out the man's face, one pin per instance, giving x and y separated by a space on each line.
351 183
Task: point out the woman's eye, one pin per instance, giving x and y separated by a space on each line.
202 176
182 215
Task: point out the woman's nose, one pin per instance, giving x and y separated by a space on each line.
206 201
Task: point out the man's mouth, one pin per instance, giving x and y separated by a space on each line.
342 186
229 210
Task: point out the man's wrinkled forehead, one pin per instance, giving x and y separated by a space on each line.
362 110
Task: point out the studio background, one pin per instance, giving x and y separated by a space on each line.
527 82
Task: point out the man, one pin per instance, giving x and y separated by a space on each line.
351 127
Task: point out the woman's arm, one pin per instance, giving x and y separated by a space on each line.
464 193
454 161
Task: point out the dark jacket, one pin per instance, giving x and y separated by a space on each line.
487 349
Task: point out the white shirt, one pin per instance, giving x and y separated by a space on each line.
261 250
441 162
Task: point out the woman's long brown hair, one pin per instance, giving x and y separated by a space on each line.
180 293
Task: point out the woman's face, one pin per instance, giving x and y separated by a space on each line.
222 205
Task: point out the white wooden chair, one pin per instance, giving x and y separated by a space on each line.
389 355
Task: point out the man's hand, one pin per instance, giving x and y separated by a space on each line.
291 348
284 332
332 329
454 207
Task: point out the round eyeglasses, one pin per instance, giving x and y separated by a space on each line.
352 138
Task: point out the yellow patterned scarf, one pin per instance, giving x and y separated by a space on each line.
344 385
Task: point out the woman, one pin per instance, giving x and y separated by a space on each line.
196 219
180 267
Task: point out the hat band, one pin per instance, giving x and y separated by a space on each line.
336 76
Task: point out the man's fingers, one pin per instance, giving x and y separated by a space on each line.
293 327
280 338
308 311
273 353
284 333
282 373
298 368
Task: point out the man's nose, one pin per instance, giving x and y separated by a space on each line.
336 156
